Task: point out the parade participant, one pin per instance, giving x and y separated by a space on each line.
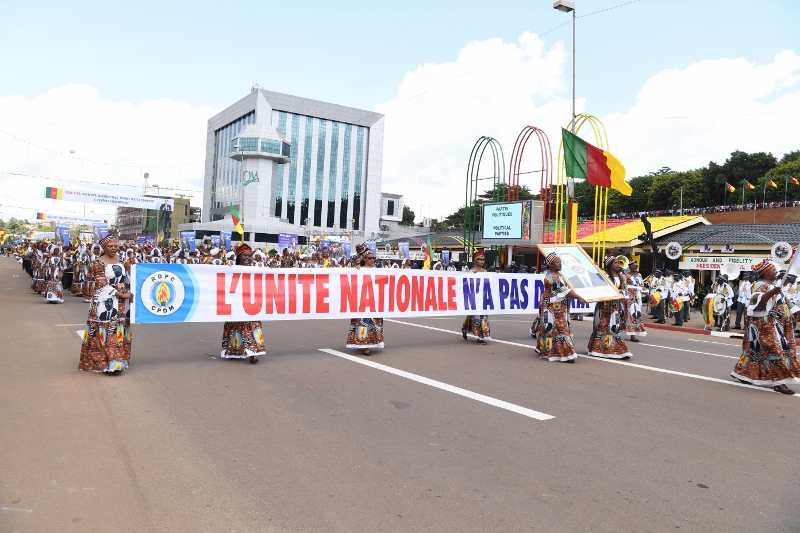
478 325
609 318
742 299
659 290
365 333
722 287
634 325
552 329
688 298
678 292
54 292
768 349
107 335
243 340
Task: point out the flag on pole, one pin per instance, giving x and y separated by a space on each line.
585 161
236 222
771 183
730 187
54 193
794 180
426 265
748 185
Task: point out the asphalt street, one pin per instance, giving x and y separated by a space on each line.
436 434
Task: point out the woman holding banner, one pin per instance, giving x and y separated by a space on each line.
768 349
243 340
552 330
107 335
365 333
609 318
478 325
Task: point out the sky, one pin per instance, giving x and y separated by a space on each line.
93 95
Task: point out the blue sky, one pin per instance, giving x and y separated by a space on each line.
208 54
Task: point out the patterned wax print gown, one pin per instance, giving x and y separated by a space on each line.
242 340
365 333
768 349
478 325
54 292
634 326
77 279
609 321
552 329
107 335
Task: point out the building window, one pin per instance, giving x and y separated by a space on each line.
271 146
249 144
390 208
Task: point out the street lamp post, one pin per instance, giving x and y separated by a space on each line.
566 6
157 213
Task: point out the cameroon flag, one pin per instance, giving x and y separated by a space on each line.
749 185
585 161
730 187
794 180
54 193
772 183
41 216
236 221
426 265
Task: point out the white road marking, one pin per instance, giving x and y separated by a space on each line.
715 342
444 386
20 510
692 351
616 361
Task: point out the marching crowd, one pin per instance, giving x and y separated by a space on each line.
767 302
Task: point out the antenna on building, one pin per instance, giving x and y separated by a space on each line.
254 88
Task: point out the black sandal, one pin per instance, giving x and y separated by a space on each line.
464 334
783 389
366 351
253 359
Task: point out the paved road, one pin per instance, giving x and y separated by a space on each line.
312 441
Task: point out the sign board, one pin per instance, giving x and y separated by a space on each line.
512 222
711 262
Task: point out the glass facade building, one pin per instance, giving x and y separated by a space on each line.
332 179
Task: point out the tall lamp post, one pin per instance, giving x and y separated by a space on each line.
566 6
157 212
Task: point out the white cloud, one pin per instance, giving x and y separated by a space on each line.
736 105
141 136
429 138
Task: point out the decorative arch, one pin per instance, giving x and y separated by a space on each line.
471 215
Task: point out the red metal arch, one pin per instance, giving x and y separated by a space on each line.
545 175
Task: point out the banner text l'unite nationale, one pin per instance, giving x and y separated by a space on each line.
207 293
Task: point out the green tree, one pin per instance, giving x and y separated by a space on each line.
637 201
408 216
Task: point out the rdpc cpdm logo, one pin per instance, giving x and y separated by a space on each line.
163 293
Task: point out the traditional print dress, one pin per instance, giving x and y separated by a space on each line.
609 321
54 292
77 279
634 326
478 325
365 333
88 281
242 340
552 329
768 349
107 335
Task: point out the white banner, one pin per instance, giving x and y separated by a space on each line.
104 198
41 235
71 219
710 262
207 293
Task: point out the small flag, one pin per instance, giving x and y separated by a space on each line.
748 185
41 216
236 222
730 187
794 180
426 265
54 193
772 183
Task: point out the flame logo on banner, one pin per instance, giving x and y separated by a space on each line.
163 294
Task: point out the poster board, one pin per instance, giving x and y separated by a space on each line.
581 273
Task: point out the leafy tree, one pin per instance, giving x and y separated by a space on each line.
2 223
637 201
408 216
